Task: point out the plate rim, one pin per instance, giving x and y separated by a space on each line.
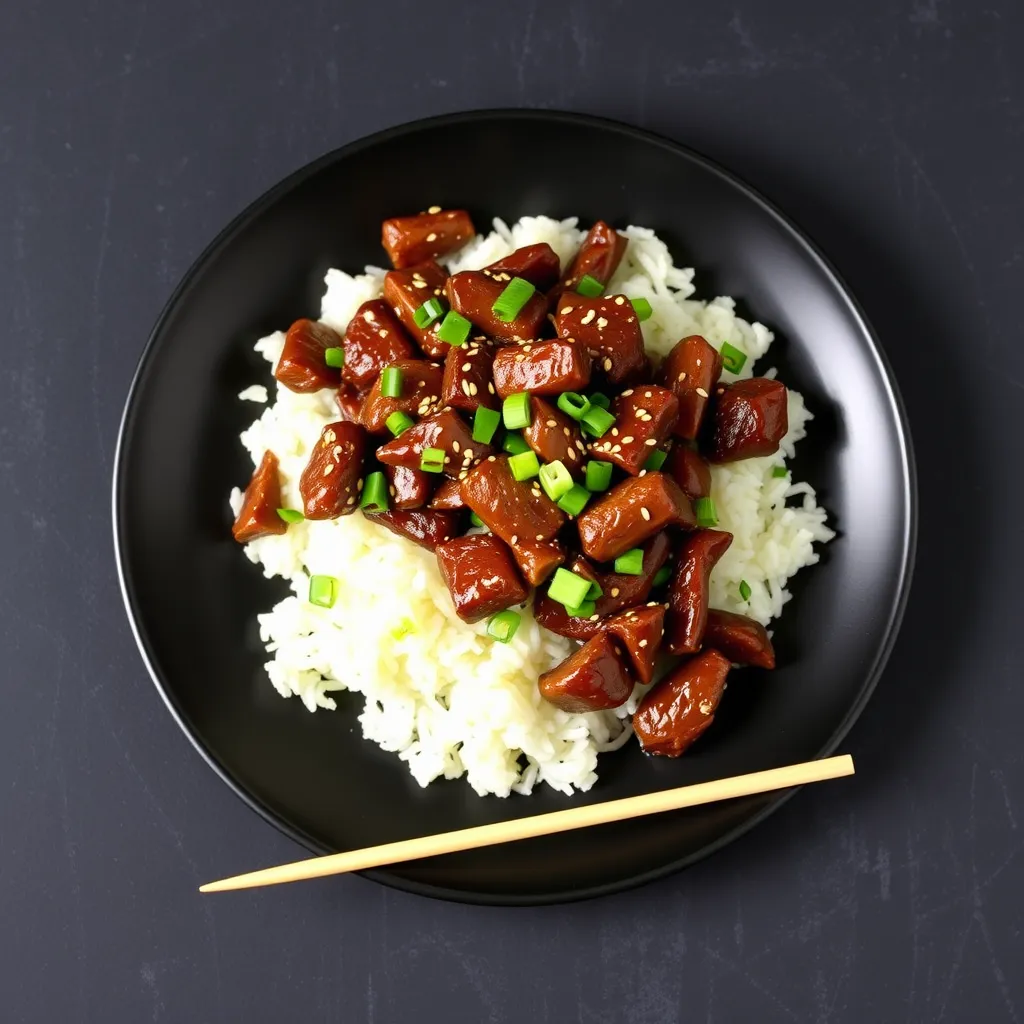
264 201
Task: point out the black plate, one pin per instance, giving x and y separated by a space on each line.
193 597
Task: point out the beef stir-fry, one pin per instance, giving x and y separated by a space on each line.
510 421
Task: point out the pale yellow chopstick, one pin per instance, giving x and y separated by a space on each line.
542 824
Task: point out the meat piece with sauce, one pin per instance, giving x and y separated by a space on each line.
688 592
406 290
302 366
425 236
542 368
258 515
512 509
421 395
446 431
691 370
424 527
644 417
467 377
640 631
481 576
748 420
329 484
599 256
555 437
740 638
473 294
609 329
537 264
373 339
594 678
689 470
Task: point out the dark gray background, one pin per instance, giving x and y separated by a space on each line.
130 132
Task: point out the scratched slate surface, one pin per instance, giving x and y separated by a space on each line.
129 133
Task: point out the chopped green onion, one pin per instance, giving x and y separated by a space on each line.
779 471
596 421
290 515
662 576
732 358
595 591
631 563
590 287
655 460
567 588
573 404
744 590
582 611
600 399
555 479
375 494
397 422
509 303
574 500
475 519
323 591
485 423
515 410
707 514
598 476
391 382
432 460
430 311
454 328
643 309
524 466
503 626
515 444
334 357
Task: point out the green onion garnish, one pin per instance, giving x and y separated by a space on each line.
732 358
485 423
707 514
573 404
334 357
600 399
555 479
525 465
375 494
503 626
430 311
323 591
391 382
475 519
595 591
582 611
515 444
574 500
662 576
432 460
290 515
744 590
596 421
509 303
567 588
515 410
643 309
397 422
631 563
589 286
454 328
779 471
655 460
598 476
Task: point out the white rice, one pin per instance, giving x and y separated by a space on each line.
438 692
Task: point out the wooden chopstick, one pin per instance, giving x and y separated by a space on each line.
541 824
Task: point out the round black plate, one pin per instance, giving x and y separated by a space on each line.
193 597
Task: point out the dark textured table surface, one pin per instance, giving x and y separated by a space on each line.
130 133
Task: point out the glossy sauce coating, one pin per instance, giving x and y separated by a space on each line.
258 515
688 592
608 328
748 420
689 470
631 512
644 417
511 509
467 377
373 339
599 256
302 365
472 293
421 395
448 495
480 574
542 368
408 488
679 708
691 370
640 631
741 639
537 264
538 559
446 431
329 484
594 678
425 236
424 527
555 437
349 402
406 290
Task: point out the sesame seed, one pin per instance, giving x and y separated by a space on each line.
359 484
626 394
566 309
630 319
619 300
590 316
628 439
520 357
615 431
336 453
351 501
419 284
643 643
601 323
566 431
616 448
447 459
571 454
652 441
432 237
329 469
490 458
330 437
540 536
647 394
526 348
615 591
515 537
705 707
455 446
369 317
551 423
702 393
645 513
392 491
465 388
607 364
466 367
579 444
433 209
468 453
490 387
